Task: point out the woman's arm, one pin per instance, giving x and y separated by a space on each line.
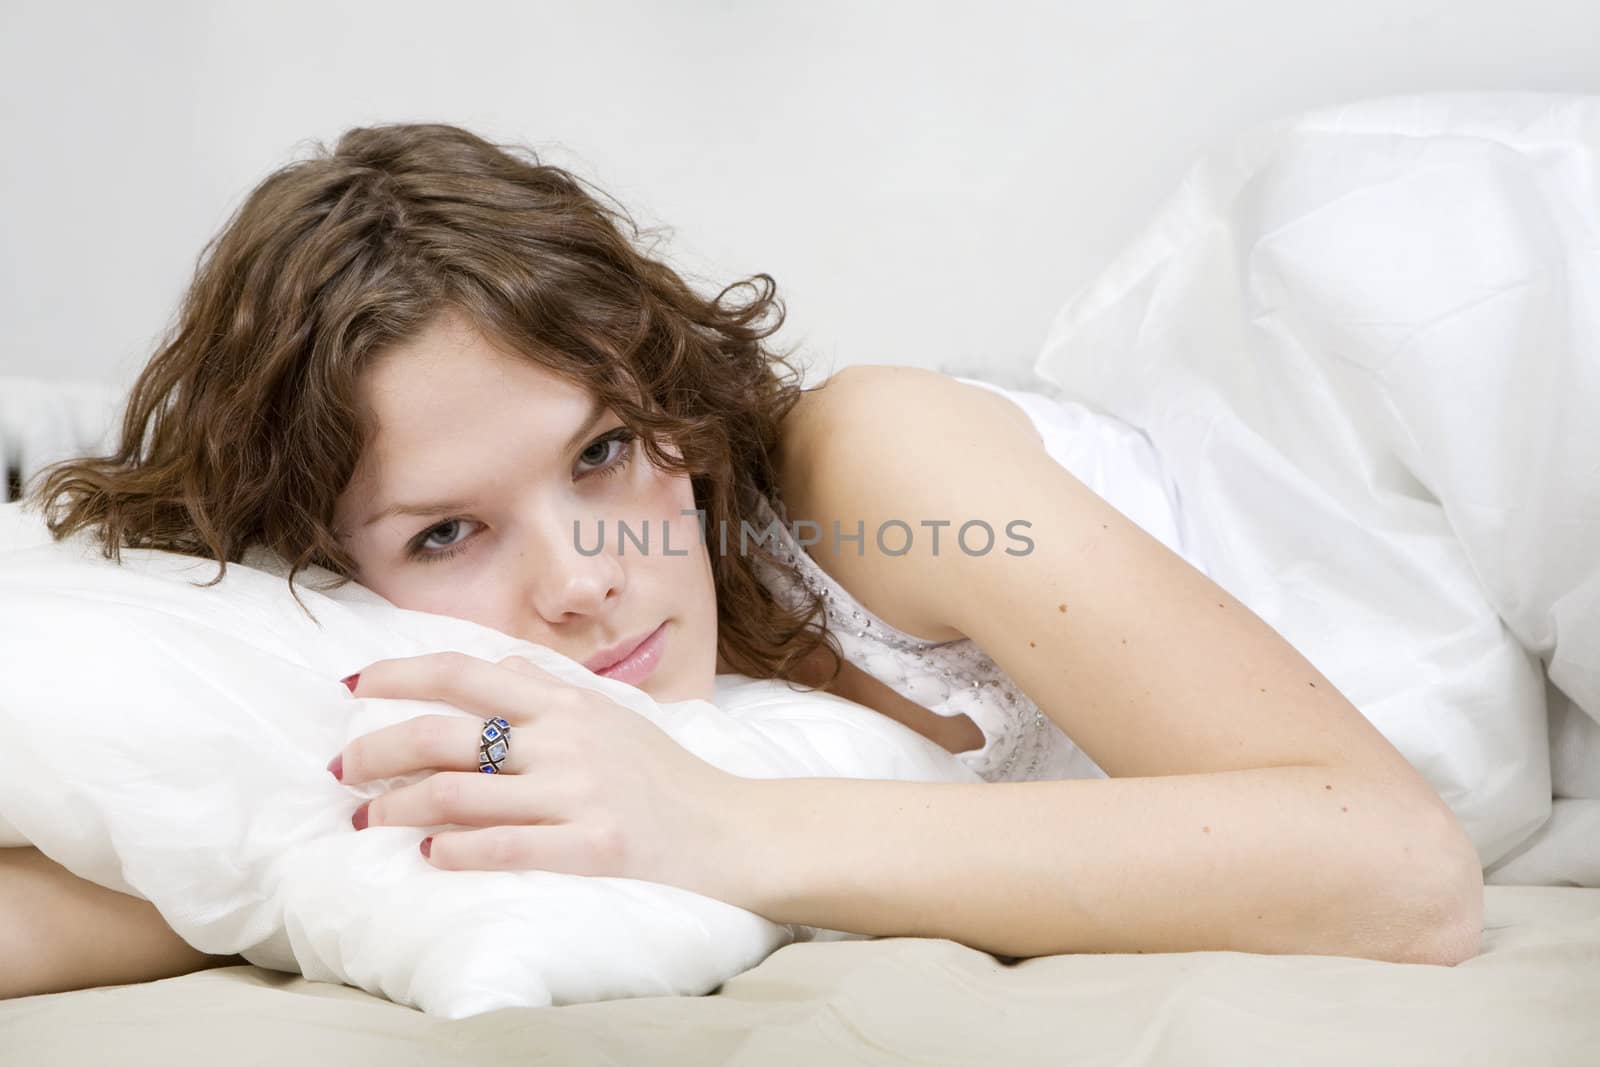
60 932
1251 805
1302 860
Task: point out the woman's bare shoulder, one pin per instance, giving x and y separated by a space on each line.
822 482
848 396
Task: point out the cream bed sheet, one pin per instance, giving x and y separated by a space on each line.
1531 997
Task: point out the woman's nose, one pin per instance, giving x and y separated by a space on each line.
573 572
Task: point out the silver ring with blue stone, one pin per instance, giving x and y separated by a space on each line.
494 745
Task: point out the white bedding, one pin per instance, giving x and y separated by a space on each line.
1366 342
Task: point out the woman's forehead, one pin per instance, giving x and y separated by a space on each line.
422 391
452 360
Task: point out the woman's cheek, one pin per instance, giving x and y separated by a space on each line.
443 587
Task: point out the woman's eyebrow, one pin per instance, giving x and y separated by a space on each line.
418 509
597 411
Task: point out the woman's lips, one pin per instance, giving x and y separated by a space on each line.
639 664
616 653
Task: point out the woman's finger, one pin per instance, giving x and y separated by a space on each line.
428 742
460 797
564 848
474 685
523 665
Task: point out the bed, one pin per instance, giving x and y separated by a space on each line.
1529 998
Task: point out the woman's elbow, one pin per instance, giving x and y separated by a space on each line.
1444 876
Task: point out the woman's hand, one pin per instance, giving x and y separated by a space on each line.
588 786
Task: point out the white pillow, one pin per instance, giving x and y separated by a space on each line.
1366 343
171 741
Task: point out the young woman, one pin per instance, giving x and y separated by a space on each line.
439 367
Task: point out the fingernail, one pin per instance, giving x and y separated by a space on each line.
336 766
427 846
359 819
350 682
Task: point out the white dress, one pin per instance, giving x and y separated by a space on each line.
957 677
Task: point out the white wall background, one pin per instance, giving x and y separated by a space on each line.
927 182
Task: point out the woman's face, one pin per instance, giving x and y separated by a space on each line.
466 499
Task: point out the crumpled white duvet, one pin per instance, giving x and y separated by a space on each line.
171 742
1366 343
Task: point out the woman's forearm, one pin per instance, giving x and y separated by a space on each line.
60 932
1274 860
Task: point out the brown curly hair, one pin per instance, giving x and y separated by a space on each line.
243 429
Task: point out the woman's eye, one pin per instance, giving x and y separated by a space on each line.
603 459
440 540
